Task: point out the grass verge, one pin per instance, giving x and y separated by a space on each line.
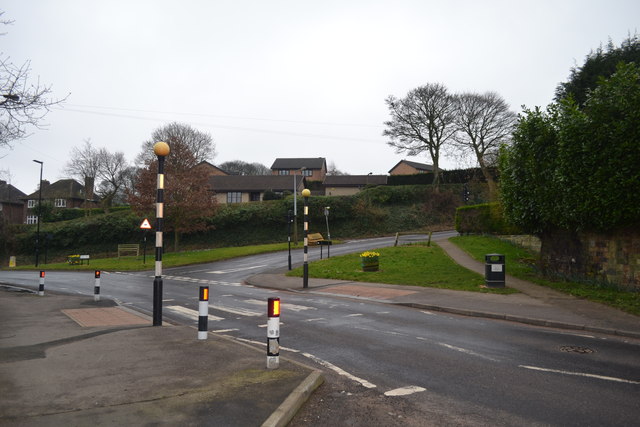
520 263
414 265
171 259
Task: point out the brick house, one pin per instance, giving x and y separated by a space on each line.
11 203
405 167
62 194
347 185
210 170
251 188
313 169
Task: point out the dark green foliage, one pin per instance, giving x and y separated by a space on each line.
457 176
575 168
481 219
598 64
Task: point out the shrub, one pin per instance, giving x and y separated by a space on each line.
483 218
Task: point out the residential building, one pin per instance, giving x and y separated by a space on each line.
313 169
62 194
11 203
347 185
251 188
210 169
405 167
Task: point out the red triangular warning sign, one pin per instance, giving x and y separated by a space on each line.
145 224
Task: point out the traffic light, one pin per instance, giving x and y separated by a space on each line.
273 309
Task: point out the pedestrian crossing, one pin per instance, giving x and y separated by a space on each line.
200 281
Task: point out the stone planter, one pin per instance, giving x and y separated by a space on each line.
369 263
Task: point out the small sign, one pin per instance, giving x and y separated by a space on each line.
496 268
145 224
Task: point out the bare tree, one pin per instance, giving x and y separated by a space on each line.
182 138
23 102
333 170
84 164
240 167
422 121
113 172
484 122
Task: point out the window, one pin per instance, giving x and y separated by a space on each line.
32 219
254 196
307 172
61 203
31 204
283 172
234 197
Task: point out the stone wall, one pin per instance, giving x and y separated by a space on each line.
611 257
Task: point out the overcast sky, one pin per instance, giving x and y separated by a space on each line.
294 78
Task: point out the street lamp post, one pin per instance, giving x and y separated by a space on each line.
38 216
295 205
289 235
161 149
305 266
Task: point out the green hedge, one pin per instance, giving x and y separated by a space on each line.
482 218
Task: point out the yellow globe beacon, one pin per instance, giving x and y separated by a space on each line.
306 192
161 149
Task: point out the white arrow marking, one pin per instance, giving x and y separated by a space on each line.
234 270
405 391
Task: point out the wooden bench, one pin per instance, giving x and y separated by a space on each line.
78 259
317 239
129 248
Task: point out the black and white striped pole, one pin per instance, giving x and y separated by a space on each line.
161 149
273 333
41 284
96 288
305 266
203 313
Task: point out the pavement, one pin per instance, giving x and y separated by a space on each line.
67 360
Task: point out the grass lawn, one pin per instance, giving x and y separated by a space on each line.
171 259
415 265
519 263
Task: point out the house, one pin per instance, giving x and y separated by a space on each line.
313 169
347 185
251 188
405 167
210 170
62 194
11 205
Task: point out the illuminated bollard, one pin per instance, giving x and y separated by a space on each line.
273 333
41 286
96 288
203 313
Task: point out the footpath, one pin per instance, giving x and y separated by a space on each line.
67 360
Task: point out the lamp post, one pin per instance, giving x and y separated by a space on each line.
289 235
295 205
305 267
161 149
38 217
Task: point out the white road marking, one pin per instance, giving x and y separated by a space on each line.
353 315
220 331
466 351
405 391
202 281
193 314
235 270
284 306
339 371
580 374
427 312
315 320
240 311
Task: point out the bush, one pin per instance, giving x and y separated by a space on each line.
481 219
